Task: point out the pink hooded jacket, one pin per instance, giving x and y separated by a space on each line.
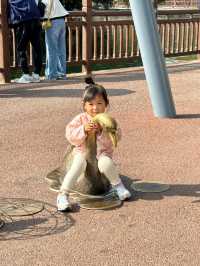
76 135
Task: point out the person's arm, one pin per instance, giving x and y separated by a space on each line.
42 6
75 132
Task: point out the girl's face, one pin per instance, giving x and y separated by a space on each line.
95 106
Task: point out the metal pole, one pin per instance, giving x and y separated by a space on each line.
152 57
86 36
1 223
4 44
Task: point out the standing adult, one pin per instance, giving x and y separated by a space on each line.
55 40
25 16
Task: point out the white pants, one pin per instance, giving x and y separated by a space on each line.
105 165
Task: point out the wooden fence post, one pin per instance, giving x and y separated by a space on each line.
4 44
198 40
87 36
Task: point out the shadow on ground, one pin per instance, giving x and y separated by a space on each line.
139 75
50 221
40 92
187 116
113 76
180 190
45 223
182 68
175 190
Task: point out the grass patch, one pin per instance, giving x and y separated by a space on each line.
186 57
78 69
135 63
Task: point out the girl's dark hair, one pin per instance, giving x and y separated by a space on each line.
93 89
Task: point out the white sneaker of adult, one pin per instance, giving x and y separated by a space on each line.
35 78
25 78
62 202
63 77
122 192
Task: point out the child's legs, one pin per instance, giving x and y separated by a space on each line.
108 168
77 168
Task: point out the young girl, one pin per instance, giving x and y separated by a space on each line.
95 101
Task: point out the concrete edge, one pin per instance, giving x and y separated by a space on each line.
129 69
120 70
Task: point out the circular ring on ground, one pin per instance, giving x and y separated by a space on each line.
149 186
100 204
105 201
20 207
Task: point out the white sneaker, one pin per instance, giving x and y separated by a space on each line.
61 77
122 192
35 78
25 78
62 202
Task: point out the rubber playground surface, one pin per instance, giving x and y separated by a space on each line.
151 228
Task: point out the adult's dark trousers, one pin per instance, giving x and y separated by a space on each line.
25 32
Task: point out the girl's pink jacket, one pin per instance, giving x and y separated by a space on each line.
76 135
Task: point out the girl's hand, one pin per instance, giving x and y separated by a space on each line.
92 127
98 128
89 128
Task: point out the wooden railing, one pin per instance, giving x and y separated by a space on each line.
109 37
180 35
113 37
182 3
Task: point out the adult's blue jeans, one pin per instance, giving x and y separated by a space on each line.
55 39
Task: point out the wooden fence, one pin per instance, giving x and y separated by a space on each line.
182 3
108 37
